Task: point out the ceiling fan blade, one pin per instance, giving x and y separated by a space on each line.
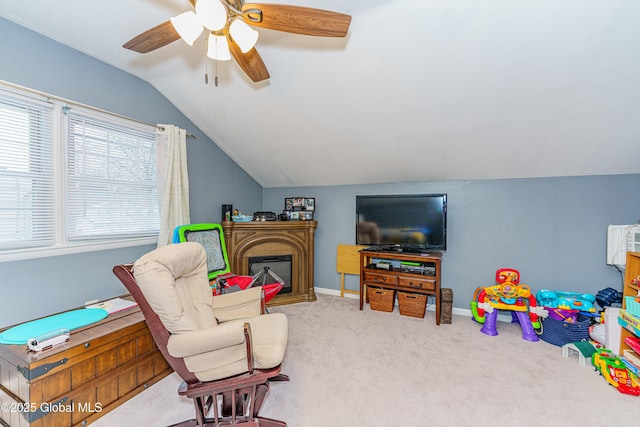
250 62
154 38
298 19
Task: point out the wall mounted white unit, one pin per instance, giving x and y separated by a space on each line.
620 240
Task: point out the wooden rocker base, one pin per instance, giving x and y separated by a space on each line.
234 401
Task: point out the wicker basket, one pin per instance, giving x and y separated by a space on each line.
381 299
411 304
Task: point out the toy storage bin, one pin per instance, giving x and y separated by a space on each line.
411 304
559 333
381 299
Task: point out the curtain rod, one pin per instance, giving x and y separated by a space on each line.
189 135
67 101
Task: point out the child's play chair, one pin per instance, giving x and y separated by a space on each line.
211 237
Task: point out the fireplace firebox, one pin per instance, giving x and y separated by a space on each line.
271 269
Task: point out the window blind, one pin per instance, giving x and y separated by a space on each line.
111 178
27 198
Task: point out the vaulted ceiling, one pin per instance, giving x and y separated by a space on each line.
419 90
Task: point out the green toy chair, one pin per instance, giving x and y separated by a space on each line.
211 237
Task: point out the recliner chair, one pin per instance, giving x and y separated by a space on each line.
224 348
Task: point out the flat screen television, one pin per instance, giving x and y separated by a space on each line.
412 222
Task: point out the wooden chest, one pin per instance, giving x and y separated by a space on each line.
73 384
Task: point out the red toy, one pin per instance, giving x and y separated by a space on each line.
232 282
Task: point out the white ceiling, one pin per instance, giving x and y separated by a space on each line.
419 90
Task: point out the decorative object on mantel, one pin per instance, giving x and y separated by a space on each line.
240 217
264 216
299 208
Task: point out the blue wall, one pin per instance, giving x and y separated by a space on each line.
39 287
551 229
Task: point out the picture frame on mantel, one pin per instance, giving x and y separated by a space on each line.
300 204
305 215
299 208
299 215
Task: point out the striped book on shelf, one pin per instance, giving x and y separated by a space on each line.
632 361
632 356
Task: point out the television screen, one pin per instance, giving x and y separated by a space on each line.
415 221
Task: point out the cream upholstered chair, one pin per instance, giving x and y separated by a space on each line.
221 347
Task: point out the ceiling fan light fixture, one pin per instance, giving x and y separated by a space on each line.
212 13
228 35
218 48
188 25
245 36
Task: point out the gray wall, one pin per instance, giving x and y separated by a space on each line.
39 287
551 229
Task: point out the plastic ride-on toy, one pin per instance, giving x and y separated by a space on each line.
507 294
615 371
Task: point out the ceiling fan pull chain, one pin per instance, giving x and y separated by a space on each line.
215 80
206 65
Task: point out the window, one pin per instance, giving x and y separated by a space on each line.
111 179
26 173
72 178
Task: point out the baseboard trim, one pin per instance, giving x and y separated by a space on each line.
430 307
334 292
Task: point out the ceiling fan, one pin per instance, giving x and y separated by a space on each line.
228 24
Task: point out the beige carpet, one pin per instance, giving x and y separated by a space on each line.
368 368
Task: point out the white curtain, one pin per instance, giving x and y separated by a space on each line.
173 180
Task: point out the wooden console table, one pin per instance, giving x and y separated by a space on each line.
401 280
270 238
73 384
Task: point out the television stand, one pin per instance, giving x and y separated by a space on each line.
427 284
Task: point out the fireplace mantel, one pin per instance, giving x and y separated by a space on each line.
271 238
